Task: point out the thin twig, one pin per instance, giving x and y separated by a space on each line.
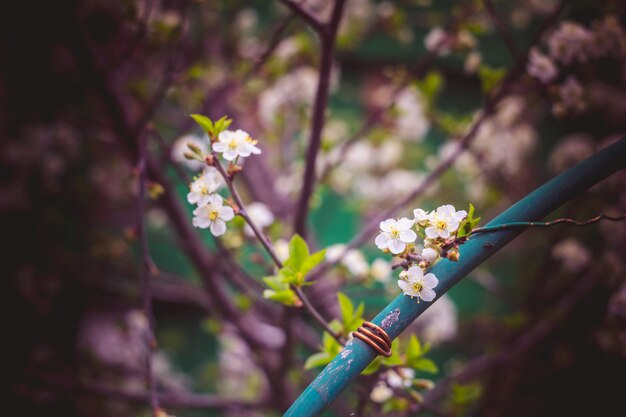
268 246
489 229
146 276
305 15
443 166
318 118
503 31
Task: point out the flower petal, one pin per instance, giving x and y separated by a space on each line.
430 280
415 273
218 227
408 236
405 224
382 241
219 147
396 246
226 213
386 225
431 232
403 285
427 294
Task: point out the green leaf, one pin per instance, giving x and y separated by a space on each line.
205 123
221 125
490 77
312 261
276 283
425 365
414 349
346 307
317 359
430 86
287 297
372 367
330 345
298 252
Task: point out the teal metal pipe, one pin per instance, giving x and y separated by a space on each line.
402 311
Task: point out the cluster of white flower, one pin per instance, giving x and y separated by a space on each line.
505 126
210 211
292 92
398 378
440 229
570 97
237 144
541 66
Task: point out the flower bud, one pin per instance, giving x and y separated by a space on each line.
453 255
195 149
190 156
423 383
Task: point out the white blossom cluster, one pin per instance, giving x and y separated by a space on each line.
210 212
439 227
505 127
573 43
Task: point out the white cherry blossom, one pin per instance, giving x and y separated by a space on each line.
416 284
204 186
260 215
213 215
421 217
395 234
541 67
430 254
381 392
400 377
233 144
381 270
444 222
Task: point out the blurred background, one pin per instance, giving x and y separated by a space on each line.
538 330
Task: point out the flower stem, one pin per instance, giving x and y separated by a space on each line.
270 249
548 224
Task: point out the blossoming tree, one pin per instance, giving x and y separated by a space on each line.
293 181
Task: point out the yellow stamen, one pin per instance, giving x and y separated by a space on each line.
213 215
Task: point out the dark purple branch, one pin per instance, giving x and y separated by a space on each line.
503 31
317 120
146 276
305 15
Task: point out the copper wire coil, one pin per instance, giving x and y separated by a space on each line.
375 337
380 331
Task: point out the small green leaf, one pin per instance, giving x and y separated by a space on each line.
312 261
205 123
287 297
490 77
221 125
317 359
372 367
275 282
298 252
330 345
425 365
346 307
414 349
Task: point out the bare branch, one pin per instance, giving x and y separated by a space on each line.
269 248
317 119
305 15
503 31
146 276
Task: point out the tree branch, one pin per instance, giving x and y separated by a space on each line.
268 246
318 118
305 15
